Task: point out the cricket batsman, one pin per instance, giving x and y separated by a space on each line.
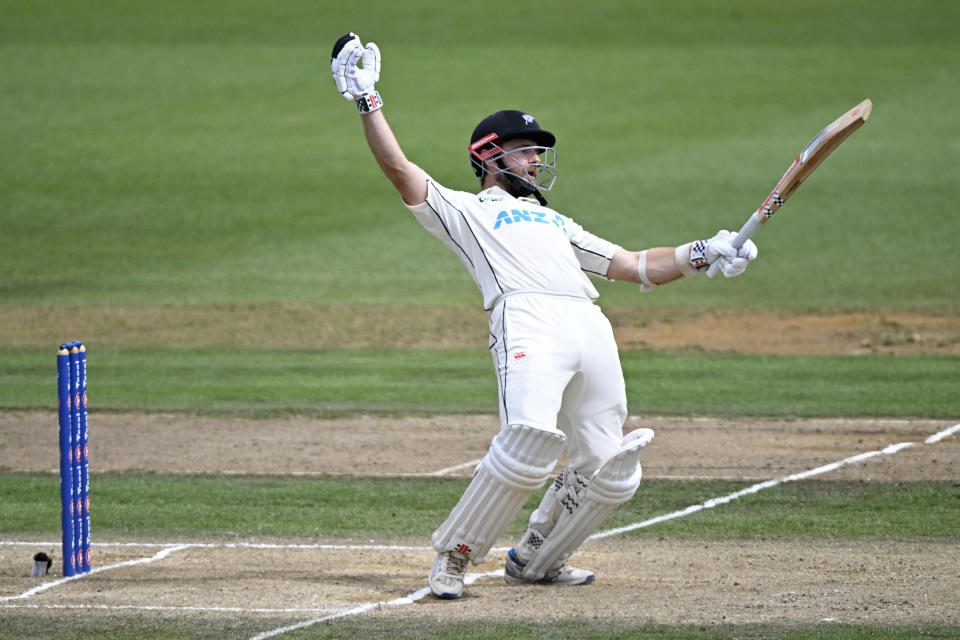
558 371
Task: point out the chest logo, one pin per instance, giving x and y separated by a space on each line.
514 216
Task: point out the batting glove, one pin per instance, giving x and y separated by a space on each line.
733 262
356 82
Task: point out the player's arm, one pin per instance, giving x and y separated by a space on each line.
660 265
409 179
356 70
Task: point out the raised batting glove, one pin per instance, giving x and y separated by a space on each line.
732 261
357 82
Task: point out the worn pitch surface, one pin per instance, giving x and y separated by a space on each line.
664 581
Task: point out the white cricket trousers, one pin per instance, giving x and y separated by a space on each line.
558 369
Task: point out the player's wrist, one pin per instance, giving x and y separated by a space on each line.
369 102
691 258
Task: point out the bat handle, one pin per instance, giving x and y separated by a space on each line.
749 228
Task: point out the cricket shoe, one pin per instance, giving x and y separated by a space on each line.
446 577
563 575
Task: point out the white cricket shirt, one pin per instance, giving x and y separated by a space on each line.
512 244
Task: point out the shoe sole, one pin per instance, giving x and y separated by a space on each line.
520 581
515 581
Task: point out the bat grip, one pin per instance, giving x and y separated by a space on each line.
749 228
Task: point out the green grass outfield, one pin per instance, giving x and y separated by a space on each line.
186 152
196 153
170 506
334 382
178 629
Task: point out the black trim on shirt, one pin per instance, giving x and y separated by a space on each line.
585 250
466 223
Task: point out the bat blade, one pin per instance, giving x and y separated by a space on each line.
809 159
812 155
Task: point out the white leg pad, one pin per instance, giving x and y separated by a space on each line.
562 495
519 461
615 483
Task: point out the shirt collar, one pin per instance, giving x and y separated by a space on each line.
497 193
495 190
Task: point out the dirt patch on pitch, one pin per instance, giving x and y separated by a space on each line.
678 582
878 582
684 447
893 333
396 326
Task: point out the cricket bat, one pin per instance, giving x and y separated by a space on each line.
808 160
